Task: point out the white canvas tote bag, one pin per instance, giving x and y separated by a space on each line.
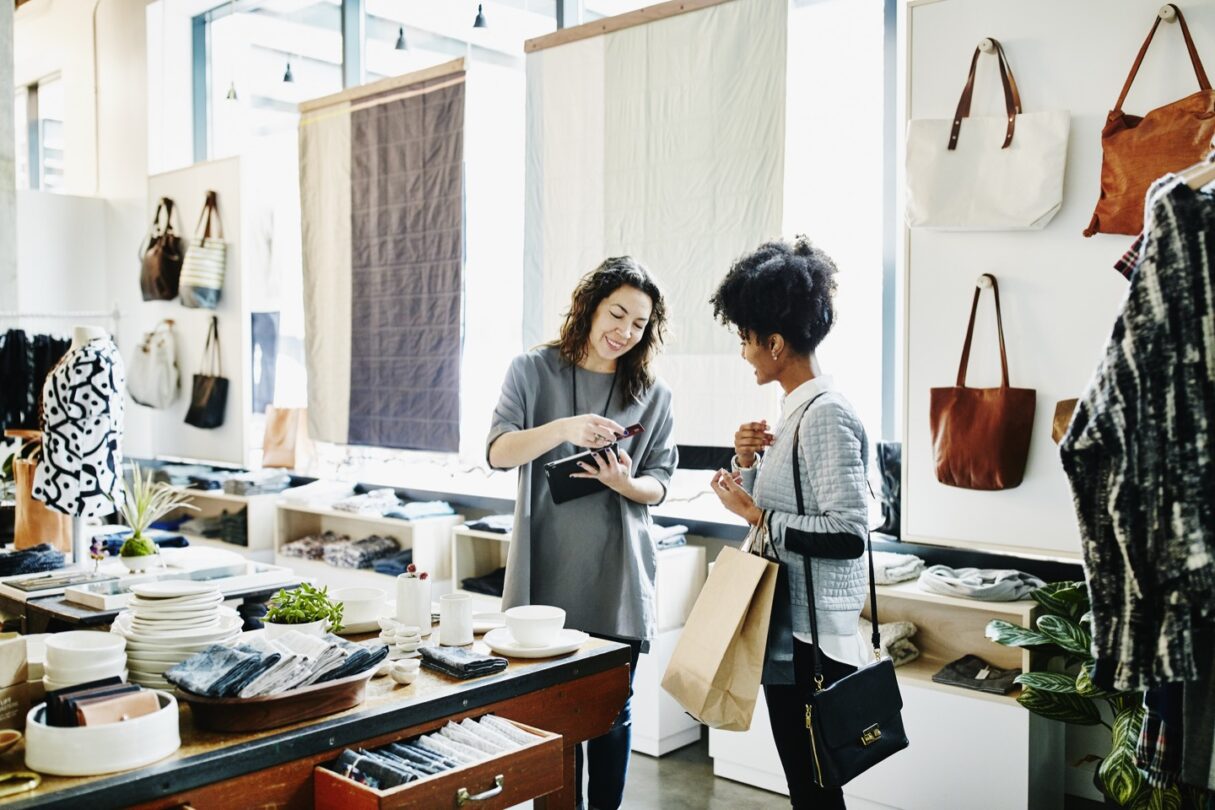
202 272
152 374
993 174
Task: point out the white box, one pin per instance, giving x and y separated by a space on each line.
660 724
680 576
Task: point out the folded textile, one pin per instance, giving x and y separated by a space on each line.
488 733
394 564
499 524
987 584
674 541
210 480
258 482
417 510
473 740
896 642
32 560
490 584
320 494
357 658
509 730
889 567
312 546
178 475
376 502
220 671
972 672
378 773
361 553
422 758
457 751
661 533
460 663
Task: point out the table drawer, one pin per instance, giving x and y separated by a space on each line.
498 782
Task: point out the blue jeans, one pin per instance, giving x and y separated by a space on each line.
609 754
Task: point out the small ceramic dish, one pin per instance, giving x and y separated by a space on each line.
8 738
405 672
82 648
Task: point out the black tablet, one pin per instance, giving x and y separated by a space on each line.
564 488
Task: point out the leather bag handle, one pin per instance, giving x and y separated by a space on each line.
166 205
211 357
1199 71
210 209
970 331
1012 96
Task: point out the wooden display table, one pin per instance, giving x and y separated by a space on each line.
577 696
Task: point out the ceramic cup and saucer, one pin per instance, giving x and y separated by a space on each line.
534 631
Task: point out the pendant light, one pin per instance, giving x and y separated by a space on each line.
401 46
289 77
480 21
231 91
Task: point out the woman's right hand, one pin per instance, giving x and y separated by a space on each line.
750 439
590 430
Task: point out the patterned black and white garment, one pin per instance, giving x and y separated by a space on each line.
82 419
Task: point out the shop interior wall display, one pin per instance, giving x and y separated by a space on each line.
638 144
163 432
1059 291
385 371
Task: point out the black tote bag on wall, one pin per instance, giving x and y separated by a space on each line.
210 394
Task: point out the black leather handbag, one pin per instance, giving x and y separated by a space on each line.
209 397
856 722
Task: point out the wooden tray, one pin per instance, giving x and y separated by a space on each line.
272 711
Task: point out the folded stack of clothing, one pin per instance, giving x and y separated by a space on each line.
490 584
394 564
375 502
32 560
452 746
260 482
972 672
460 663
361 553
889 568
896 642
498 524
312 546
987 584
210 480
417 510
178 475
669 536
318 494
231 527
261 666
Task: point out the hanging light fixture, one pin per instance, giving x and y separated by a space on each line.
289 77
231 91
401 46
480 21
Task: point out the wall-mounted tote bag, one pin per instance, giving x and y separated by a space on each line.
1136 150
285 441
210 393
986 173
980 436
152 375
202 275
161 256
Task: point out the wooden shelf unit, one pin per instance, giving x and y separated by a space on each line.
475 553
259 518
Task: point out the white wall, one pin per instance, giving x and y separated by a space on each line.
61 273
8 215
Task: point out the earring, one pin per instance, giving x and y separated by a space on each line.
773 355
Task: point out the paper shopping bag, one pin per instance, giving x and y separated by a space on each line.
715 670
35 521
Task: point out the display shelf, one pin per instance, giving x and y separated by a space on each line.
260 519
257 555
475 553
921 670
912 591
322 573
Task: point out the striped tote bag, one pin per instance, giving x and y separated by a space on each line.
202 272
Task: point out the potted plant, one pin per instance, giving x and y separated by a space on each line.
1062 641
306 609
145 501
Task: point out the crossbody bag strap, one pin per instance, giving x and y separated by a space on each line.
970 332
1199 71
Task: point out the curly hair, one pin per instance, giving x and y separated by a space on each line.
574 341
785 288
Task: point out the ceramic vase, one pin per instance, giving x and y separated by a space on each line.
413 602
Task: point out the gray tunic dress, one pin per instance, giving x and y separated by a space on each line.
592 556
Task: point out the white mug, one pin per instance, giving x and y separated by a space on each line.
413 602
455 619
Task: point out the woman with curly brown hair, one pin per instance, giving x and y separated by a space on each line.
592 556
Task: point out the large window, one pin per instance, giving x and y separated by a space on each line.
38 124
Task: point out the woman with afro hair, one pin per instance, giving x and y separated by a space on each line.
780 300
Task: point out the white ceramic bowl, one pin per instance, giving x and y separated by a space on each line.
535 625
83 648
142 563
316 628
92 750
361 605
92 672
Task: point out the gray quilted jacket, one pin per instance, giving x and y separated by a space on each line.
834 459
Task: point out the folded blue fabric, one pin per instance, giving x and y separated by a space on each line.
395 564
460 663
358 659
220 671
416 510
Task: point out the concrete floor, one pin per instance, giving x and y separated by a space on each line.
683 780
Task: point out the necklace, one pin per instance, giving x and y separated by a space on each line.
574 389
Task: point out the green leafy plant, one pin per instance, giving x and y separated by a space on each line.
145 501
303 605
1061 640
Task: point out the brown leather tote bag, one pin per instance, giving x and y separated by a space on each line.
161 257
1139 150
980 436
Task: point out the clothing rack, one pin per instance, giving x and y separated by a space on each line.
114 314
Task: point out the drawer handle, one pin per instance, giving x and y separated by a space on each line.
463 796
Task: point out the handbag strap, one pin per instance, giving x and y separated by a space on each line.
970 331
211 355
1203 82
210 210
1012 96
875 636
154 229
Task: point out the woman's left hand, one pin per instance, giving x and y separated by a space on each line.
732 496
615 471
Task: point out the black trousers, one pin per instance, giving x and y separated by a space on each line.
787 712
608 755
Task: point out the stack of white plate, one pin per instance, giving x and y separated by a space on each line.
168 622
80 656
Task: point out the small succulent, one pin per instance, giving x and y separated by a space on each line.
145 501
304 605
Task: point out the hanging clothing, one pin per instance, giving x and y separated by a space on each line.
593 556
1138 455
82 423
25 360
